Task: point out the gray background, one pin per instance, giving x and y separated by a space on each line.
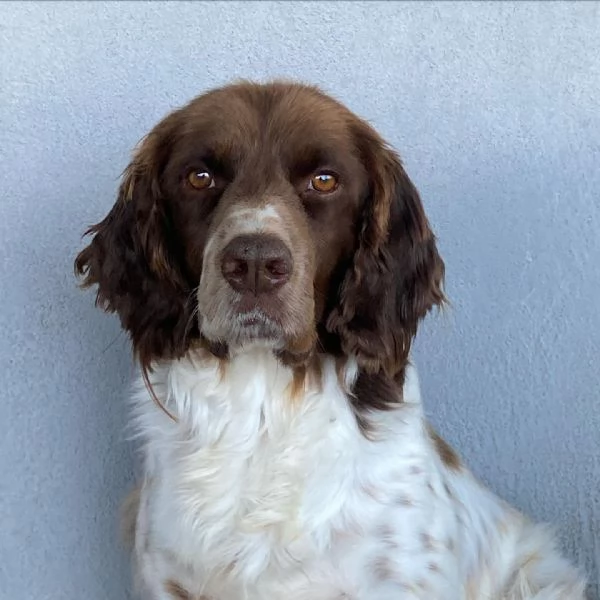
495 109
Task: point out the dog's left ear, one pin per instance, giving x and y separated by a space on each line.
130 259
396 274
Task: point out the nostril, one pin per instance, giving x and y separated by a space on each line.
236 271
278 267
256 264
235 267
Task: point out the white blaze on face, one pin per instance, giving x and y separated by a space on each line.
253 220
242 221
214 293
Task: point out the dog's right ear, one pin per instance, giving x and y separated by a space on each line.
396 275
129 260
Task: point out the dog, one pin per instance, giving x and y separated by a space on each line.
271 260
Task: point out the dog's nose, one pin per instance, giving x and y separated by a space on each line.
256 263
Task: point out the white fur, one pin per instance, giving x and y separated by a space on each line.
257 495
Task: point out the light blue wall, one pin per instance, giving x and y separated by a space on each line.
495 108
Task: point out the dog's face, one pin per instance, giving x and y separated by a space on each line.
264 187
266 214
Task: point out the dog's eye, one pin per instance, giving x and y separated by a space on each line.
201 179
323 182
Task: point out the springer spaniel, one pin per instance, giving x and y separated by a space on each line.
271 259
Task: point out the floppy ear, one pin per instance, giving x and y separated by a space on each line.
396 274
130 261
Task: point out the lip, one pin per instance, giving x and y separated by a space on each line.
254 318
250 321
256 324
252 311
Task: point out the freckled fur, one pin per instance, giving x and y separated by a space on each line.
251 492
176 591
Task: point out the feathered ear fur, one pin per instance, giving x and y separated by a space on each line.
130 261
396 274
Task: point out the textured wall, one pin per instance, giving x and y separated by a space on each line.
495 110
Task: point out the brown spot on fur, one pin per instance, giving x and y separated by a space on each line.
388 536
404 500
444 450
427 541
383 568
374 492
176 591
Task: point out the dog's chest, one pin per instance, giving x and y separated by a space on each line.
250 459
256 485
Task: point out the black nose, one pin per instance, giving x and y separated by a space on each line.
256 263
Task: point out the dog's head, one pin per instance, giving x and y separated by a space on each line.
266 214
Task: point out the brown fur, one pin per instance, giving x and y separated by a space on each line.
368 265
177 592
444 450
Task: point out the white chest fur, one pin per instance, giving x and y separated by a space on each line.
254 481
261 490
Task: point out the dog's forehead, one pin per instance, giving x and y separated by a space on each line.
280 116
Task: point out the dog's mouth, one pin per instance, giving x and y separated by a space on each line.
239 321
255 325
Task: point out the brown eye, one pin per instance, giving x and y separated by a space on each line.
323 182
200 179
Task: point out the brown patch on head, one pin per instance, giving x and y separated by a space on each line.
176 591
258 148
261 254
444 450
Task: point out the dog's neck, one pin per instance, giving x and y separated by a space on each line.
254 378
